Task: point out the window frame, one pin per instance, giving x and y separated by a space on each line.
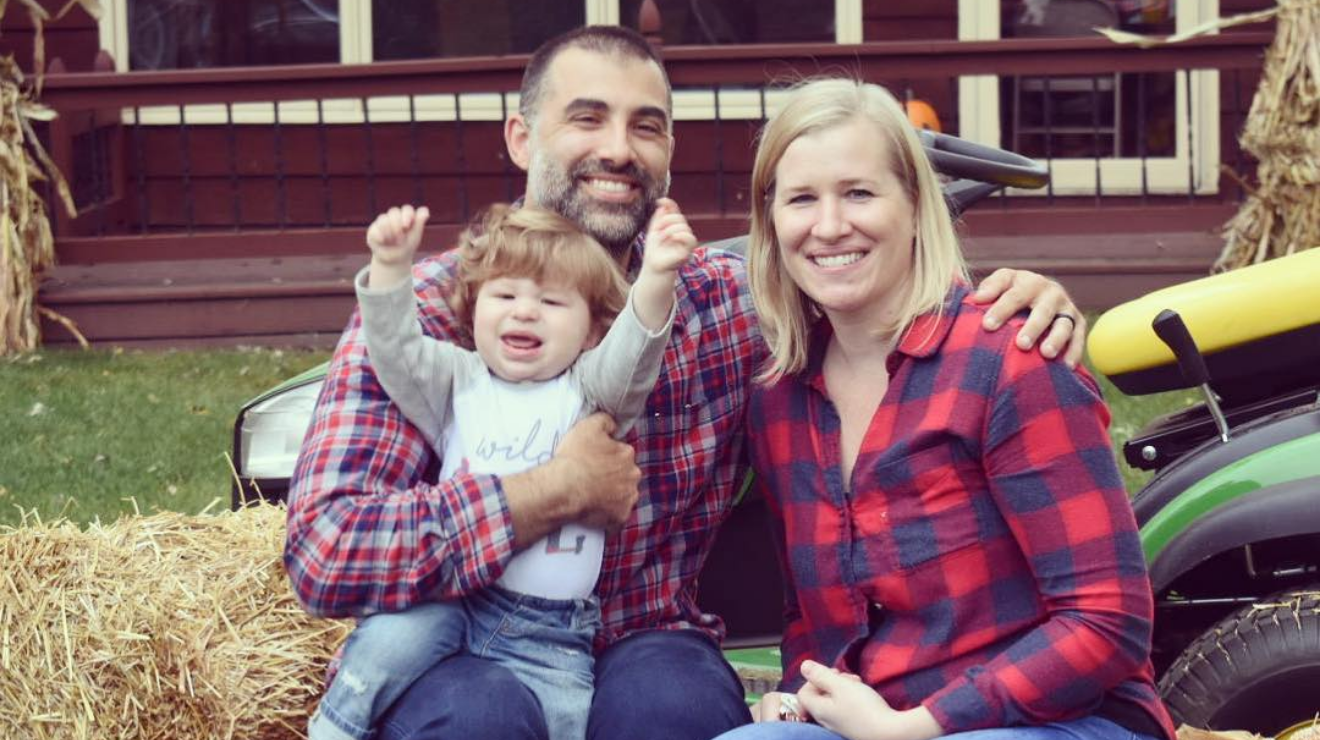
978 96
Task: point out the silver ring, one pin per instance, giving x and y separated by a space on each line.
1067 316
789 709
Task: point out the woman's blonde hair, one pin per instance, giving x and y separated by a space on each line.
786 313
542 245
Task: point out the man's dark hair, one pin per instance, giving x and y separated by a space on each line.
617 40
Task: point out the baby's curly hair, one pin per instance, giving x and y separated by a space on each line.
542 245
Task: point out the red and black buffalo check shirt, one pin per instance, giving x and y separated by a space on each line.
368 534
984 560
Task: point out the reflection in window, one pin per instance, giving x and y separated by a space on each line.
184 34
709 22
415 29
1109 115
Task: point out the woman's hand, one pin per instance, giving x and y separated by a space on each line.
776 706
1052 311
841 703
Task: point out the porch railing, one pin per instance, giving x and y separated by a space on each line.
313 152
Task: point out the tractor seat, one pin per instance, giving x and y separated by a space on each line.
1258 328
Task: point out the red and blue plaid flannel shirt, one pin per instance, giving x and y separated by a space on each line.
986 563
367 534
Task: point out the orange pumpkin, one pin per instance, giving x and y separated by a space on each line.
922 115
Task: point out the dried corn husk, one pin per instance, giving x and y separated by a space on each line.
1281 214
165 626
27 248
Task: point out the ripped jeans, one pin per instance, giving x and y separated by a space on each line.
546 643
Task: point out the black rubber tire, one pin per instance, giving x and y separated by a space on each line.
1258 669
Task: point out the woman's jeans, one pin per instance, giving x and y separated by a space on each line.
546 643
1086 728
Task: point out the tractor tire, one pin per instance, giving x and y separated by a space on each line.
1258 669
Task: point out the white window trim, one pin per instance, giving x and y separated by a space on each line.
978 97
355 47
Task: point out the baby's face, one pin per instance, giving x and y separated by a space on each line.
529 330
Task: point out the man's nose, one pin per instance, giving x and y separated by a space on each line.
615 144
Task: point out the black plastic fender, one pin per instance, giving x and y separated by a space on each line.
1282 510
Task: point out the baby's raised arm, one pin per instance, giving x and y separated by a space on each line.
669 244
393 238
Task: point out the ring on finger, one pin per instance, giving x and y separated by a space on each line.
1068 316
789 709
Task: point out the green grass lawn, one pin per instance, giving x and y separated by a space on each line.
87 434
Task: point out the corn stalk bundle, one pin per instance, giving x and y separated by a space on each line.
153 628
1281 215
27 248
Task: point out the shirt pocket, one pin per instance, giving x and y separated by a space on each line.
921 508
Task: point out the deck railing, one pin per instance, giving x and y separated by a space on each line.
315 151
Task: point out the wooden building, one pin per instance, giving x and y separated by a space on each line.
229 153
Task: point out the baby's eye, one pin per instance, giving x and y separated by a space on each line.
553 302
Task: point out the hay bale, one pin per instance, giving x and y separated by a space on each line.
166 626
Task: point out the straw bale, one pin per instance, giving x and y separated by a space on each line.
164 626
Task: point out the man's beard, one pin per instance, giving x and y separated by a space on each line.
614 225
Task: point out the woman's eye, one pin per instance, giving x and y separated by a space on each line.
860 194
800 199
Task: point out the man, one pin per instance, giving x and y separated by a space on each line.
367 533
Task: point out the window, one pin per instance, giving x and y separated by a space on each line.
183 34
1120 133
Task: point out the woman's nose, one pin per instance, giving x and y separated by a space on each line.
831 221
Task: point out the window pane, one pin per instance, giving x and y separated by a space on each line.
1051 18
413 29
182 34
737 21
910 20
1105 115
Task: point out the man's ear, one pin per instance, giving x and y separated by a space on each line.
517 137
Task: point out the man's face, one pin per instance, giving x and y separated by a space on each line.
599 146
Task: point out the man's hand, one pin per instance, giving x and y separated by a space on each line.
603 472
1051 310
840 702
669 239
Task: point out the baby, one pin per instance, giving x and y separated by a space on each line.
557 334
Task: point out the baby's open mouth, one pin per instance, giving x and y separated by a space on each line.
519 340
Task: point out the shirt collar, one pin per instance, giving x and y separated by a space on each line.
922 339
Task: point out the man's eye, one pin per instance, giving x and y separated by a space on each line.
653 129
586 119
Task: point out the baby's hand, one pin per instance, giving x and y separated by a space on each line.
669 239
395 235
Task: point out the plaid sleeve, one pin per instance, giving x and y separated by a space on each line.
365 532
1053 477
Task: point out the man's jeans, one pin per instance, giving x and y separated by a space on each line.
660 685
1087 728
545 643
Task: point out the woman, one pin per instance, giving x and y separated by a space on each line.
959 551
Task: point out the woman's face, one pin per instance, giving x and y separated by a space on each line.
844 221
